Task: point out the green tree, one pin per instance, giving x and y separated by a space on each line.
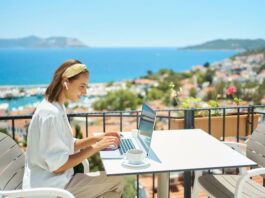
259 94
149 72
184 75
250 84
193 92
220 88
128 84
166 72
167 100
150 75
164 83
211 95
109 84
205 77
200 77
249 87
262 67
154 94
207 65
209 76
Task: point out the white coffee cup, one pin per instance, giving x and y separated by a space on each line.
135 156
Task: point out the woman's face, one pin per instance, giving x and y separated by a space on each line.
77 87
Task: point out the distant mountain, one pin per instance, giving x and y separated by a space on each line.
229 44
37 42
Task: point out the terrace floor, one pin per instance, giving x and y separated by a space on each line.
176 191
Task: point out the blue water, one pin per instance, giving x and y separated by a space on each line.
36 66
20 102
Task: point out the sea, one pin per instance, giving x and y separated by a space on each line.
36 66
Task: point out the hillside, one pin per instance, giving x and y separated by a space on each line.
229 44
37 42
252 52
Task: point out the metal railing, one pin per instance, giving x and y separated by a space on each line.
166 117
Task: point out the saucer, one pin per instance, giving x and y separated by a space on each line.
144 164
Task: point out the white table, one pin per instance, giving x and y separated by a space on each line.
182 150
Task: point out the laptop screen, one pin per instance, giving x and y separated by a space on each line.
146 125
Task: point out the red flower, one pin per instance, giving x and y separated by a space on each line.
231 90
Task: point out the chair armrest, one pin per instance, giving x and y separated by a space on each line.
34 192
86 166
239 147
243 178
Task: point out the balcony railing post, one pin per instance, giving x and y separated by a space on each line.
137 185
13 128
252 118
104 122
137 120
121 119
86 125
210 121
238 122
189 118
224 116
169 120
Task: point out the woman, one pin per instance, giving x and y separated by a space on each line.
52 152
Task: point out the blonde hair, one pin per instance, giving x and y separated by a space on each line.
55 87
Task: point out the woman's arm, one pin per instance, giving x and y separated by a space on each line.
78 157
85 142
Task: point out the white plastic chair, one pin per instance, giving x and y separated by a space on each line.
237 186
12 169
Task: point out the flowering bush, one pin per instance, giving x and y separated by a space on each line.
191 102
197 103
230 92
213 103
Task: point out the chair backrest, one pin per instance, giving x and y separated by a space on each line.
11 164
256 145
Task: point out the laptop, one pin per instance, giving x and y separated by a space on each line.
140 141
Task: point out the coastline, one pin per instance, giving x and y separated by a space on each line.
40 85
13 97
23 86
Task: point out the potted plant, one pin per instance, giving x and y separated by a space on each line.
215 120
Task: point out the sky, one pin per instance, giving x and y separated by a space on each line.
137 23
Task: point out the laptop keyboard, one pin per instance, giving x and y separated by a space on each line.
125 145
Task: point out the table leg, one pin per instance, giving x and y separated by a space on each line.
187 184
163 185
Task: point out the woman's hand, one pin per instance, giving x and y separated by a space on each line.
115 134
106 141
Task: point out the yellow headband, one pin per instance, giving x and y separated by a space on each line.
74 70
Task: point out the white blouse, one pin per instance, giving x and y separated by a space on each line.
50 142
